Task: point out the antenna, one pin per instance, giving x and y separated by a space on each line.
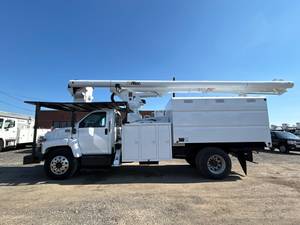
174 95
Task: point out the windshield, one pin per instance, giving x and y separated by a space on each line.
286 135
1 123
297 132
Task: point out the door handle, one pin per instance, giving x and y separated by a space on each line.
105 131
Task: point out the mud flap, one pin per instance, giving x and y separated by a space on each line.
243 157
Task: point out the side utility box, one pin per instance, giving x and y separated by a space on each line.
220 120
146 142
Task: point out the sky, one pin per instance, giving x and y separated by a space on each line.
44 44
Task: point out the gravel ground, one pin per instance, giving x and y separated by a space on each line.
171 193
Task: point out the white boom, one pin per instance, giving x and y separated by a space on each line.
132 91
161 86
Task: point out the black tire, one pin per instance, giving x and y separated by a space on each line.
213 163
60 164
191 161
1 145
283 149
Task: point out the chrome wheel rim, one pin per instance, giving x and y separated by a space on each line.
59 165
216 164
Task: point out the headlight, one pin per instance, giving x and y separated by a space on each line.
41 139
291 142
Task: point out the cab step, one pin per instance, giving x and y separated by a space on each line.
117 160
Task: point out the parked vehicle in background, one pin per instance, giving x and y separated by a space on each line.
295 129
16 129
285 141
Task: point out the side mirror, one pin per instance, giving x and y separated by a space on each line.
74 131
6 129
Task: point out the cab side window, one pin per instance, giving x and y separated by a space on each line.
97 119
9 124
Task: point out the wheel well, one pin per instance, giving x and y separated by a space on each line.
63 147
194 149
1 140
282 143
191 150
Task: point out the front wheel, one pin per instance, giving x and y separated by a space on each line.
213 163
60 164
283 149
1 145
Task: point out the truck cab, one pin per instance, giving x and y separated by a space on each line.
92 142
8 133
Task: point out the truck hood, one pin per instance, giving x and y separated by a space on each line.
58 133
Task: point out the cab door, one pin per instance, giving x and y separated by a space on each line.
93 134
10 132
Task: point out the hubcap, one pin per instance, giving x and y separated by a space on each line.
59 165
216 164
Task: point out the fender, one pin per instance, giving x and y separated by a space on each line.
72 143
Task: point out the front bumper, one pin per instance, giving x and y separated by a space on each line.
294 147
35 157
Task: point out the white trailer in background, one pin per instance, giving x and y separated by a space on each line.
16 129
202 130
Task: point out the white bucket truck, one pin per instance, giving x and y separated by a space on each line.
202 130
16 129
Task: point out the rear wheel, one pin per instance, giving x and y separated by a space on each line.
60 164
213 163
1 145
283 149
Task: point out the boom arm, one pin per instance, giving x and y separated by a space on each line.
133 91
238 87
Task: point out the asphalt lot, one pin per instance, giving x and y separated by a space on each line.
170 193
